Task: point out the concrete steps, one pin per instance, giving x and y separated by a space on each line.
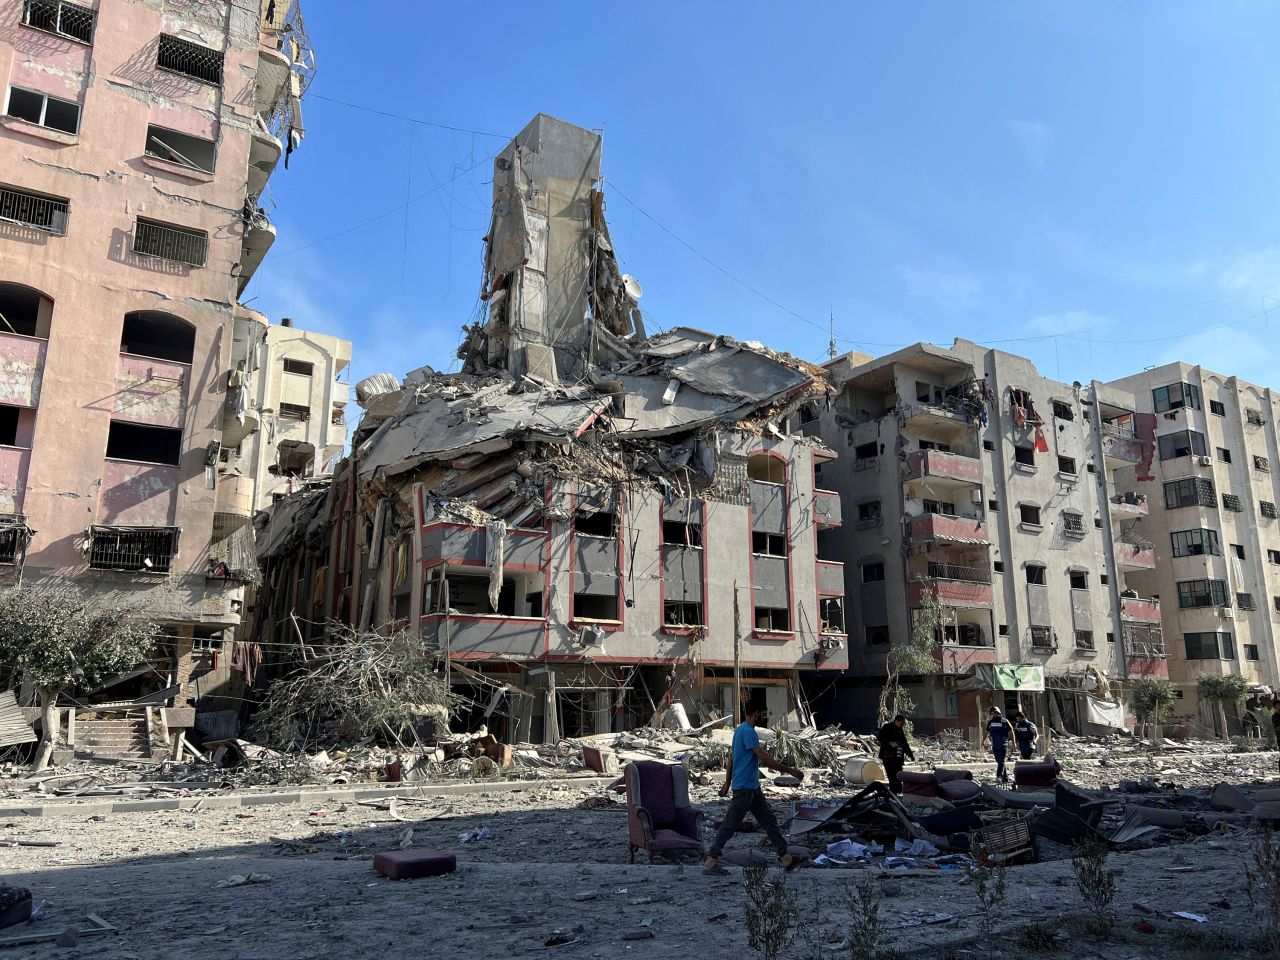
126 739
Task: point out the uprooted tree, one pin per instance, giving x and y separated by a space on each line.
914 655
1220 691
55 637
355 685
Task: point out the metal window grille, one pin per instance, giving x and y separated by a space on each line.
64 19
1143 639
1233 503
122 548
170 243
1261 463
1245 601
32 210
1042 638
14 537
1073 524
294 411
1267 509
189 59
950 571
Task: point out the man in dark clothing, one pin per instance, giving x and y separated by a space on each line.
743 776
1025 734
893 747
998 732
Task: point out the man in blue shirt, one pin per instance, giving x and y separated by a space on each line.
1026 734
743 776
998 731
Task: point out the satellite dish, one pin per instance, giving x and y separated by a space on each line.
632 285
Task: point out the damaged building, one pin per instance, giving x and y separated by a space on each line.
586 523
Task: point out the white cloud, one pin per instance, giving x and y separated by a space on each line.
1255 274
1034 139
952 289
1068 322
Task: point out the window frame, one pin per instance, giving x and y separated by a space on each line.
57 31
1212 591
1162 399
171 39
1198 486
1185 542
1197 444
44 109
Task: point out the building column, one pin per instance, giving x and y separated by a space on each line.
183 661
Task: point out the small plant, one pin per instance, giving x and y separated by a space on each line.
1262 875
865 930
1097 886
772 913
1036 938
987 878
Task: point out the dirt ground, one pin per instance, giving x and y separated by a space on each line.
556 863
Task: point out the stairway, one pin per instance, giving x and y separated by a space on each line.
123 739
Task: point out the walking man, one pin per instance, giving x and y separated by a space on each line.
893 746
1275 720
998 732
1025 734
743 776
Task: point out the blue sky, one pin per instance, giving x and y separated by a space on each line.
1096 186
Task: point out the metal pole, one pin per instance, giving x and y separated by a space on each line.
737 658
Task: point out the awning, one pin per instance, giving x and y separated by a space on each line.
952 538
1008 676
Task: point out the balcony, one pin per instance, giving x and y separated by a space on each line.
955 659
1120 444
953 585
953 412
948 529
150 391
1133 553
1139 610
264 153
259 235
141 494
14 462
826 508
21 363
1144 651
830 578
1129 506
936 465
457 544
475 637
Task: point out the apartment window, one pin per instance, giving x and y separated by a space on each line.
1103 579
1209 646
1238 550
140 550
1063 411
1042 637
1275 602
1029 513
1084 639
189 59
993 505
1194 543
1202 593
868 514
294 411
1024 455
180 148
773 619
935 445
1224 454
1261 463
866 452
1189 492
1079 580
1216 407
132 441
1245 601
1073 524
1035 574
768 544
941 507
872 572
1067 465
1273 556
597 523
1255 417
42 109
923 391
679 613
1003 630
1175 396
1091 468
679 534
1267 509
64 19
170 243
33 210
588 606
988 445
831 612
1233 503
1251 652
301 367
1184 443
877 635
1111 637
998 566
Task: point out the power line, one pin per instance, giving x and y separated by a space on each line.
400 116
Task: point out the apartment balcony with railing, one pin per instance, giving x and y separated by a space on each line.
1134 553
1129 505
1139 610
1120 443
1144 650
947 467
150 391
951 584
826 508
21 367
947 528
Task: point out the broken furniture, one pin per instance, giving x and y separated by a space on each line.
660 819
15 905
1004 838
411 864
955 786
1036 773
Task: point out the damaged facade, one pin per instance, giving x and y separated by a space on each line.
135 143
586 523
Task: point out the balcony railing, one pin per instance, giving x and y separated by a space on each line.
950 571
170 243
48 214
947 466
1122 430
1139 610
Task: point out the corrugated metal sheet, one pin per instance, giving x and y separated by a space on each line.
14 728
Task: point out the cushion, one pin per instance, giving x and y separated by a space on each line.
959 791
1033 774
656 794
408 864
947 776
670 840
918 784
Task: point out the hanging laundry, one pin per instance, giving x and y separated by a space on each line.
1042 445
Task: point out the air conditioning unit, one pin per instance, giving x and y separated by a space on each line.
975 495
1206 461
1228 613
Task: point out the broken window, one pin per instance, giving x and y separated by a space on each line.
1217 407
162 336
1042 638
1193 543
300 367
935 445
25 311
1202 593
189 59
602 523
924 392
873 572
868 514
143 550
33 210
1190 492
144 444
1209 646
1184 443
1267 509
1079 580
57 16
590 606
181 148
1175 396
294 411
877 635
42 109
1024 455
1255 417
832 613
675 533
14 537
1066 465
773 619
768 544
167 242
1035 574
1073 524
1261 463
1084 639
1224 454
1245 601
466 591
865 454
766 469
1063 411
1029 513
940 507
681 613
1273 556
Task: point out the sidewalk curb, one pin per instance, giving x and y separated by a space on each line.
987 766
313 795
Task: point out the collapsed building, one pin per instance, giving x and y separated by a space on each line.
587 523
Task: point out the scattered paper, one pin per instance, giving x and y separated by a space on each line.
1198 918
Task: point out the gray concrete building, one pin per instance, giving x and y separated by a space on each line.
968 476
